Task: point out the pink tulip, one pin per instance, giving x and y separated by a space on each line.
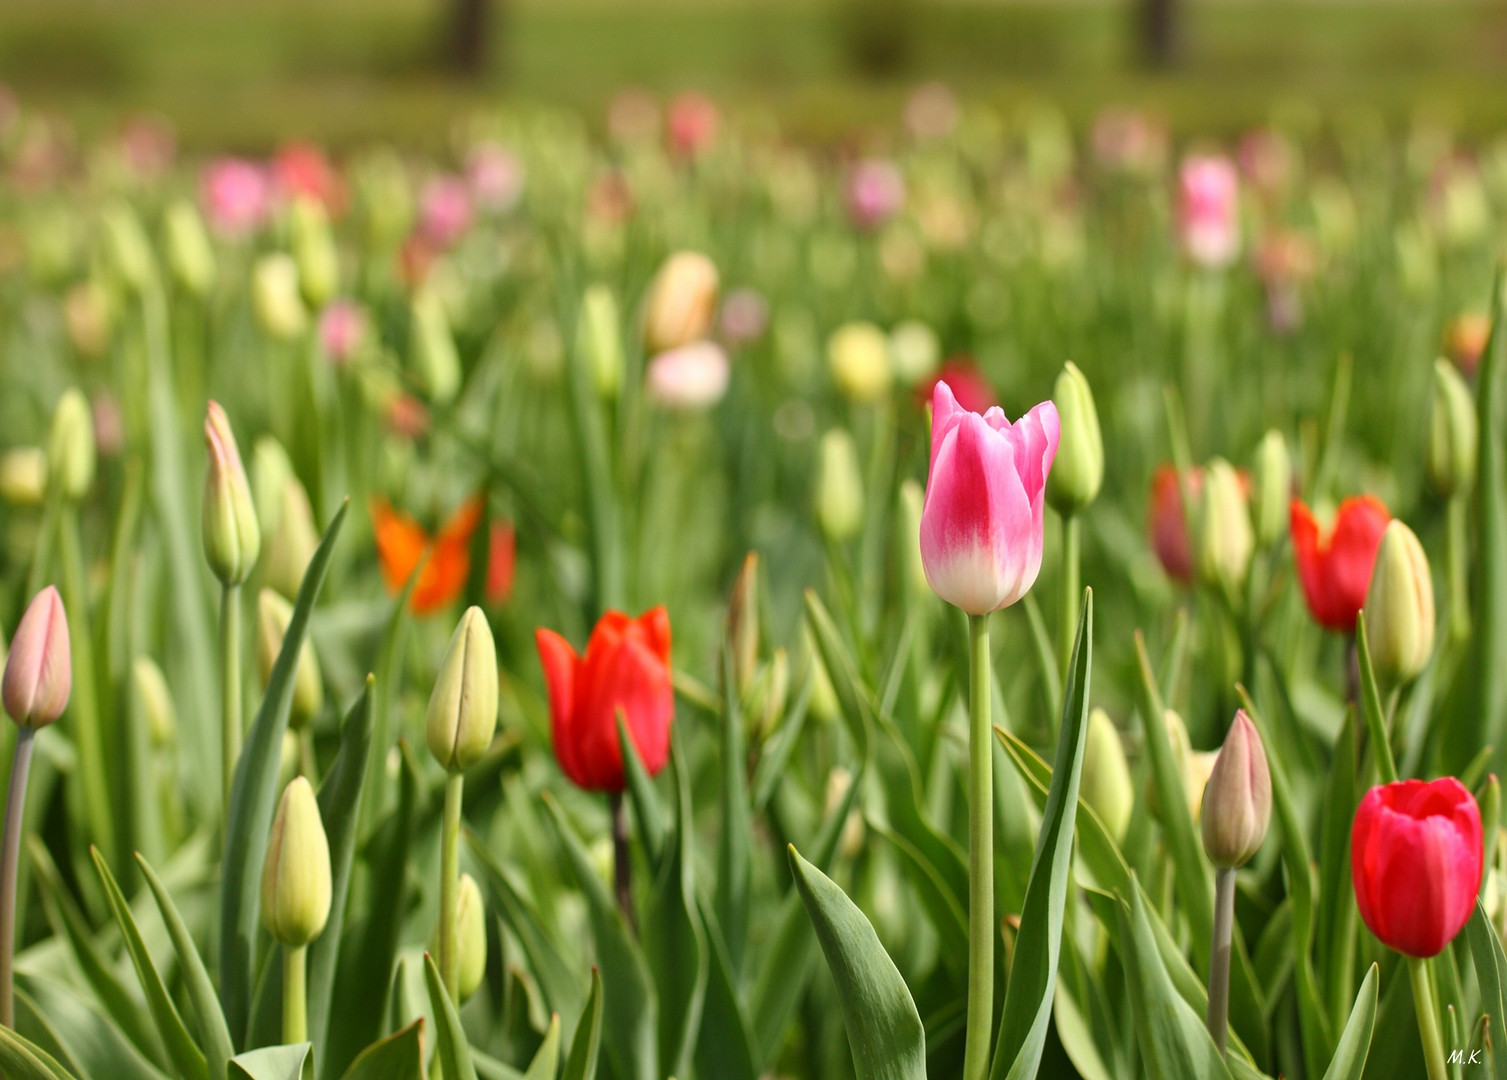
694 376
693 124
342 329
237 196
445 211
495 175
39 670
982 521
1209 211
876 193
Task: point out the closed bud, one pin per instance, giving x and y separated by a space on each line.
156 701
23 476
70 446
1273 483
463 708
232 537
1184 761
275 297
470 938
296 874
292 540
1106 783
39 667
1226 541
127 248
908 522
682 300
743 623
766 699
270 470
273 614
1237 803
1078 472
314 251
190 256
432 347
858 355
1453 432
824 705
839 487
1399 611
599 338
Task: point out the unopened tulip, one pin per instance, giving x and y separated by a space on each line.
1453 432
462 716
908 538
1335 564
690 378
1209 211
626 668
39 667
314 251
237 196
1167 521
275 297
681 302
23 476
190 256
1106 783
1399 612
1415 860
767 698
128 251
156 701
70 446
692 124
839 487
273 614
1225 538
292 540
1079 469
1273 488
859 357
432 347
743 623
599 338
296 874
875 193
232 538
1465 340
445 211
984 516
343 330
471 938
1237 801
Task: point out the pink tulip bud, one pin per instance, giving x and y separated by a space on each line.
1209 211
693 124
876 193
495 175
342 330
982 523
39 670
445 211
237 196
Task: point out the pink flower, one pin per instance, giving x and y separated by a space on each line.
301 168
495 175
982 521
342 328
876 193
693 124
237 196
39 672
445 211
694 376
1208 211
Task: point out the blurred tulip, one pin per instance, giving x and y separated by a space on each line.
462 716
402 542
156 701
681 301
692 124
273 614
502 559
190 255
495 175
1225 538
599 338
301 170
875 193
916 354
1237 801
858 355
1168 522
1453 433
1335 564
276 298
314 251
839 487
970 388
39 667
1106 782
432 347
70 446
128 251
23 476
982 523
232 536
471 938
626 668
1273 483
691 377
908 522
1399 611
89 316
236 195
445 211
1465 340
745 317
743 623
1209 211
343 330
296 890
1079 469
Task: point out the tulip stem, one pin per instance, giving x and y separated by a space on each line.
1067 621
622 865
1457 556
981 928
230 686
15 803
1428 1018
450 886
295 995
1219 956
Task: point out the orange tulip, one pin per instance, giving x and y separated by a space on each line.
402 543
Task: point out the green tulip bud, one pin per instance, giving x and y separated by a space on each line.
127 248
386 198
433 348
1226 541
1106 782
915 350
470 937
1273 477
1237 802
824 704
292 540
839 487
190 255
463 708
273 614
23 476
767 697
314 251
1453 432
743 623
70 446
296 874
275 297
1078 472
270 470
156 701
599 339
858 355
1399 611
908 522
232 537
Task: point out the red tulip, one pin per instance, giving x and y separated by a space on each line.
502 561
1415 857
627 668
1335 565
1168 522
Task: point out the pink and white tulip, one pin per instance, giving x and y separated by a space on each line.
39 671
237 196
692 377
984 514
1209 211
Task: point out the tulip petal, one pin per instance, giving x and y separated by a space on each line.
560 665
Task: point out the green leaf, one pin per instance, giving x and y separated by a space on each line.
397 1057
65 1024
546 1061
1491 974
651 819
213 1033
1033 973
726 1046
1349 1061
253 796
22 1060
270 1063
775 753
452 1051
186 1056
582 1062
1376 722
884 1029
841 671
735 842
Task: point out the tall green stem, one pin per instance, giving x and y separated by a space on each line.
981 929
1428 1019
1457 556
1219 956
230 686
15 803
295 995
450 886
1067 613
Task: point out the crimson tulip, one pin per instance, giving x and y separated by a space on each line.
1415 857
626 668
1335 564
1168 523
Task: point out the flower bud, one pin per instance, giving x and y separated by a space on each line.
692 377
1273 483
1237 803
824 704
273 614
839 487
916 352
463 708
599 339
470 938
1399 611
1225 542
1078 472
766 699
859 357
70 446
296 875
1182 761
156 701
908 522
432 347
275 297
743 623
23 476
127 248
1107 786
1453 432
292 540
682 300
190 255
314 251
39 667
232 537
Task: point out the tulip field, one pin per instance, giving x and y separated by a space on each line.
647 596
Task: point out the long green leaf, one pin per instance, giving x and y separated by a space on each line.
726 1047
270 1063
546 1061
64 1023
582 1062
840 671
21 1060
1349 1062
1491 974
397 1057
734 849
646 808
453 1052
